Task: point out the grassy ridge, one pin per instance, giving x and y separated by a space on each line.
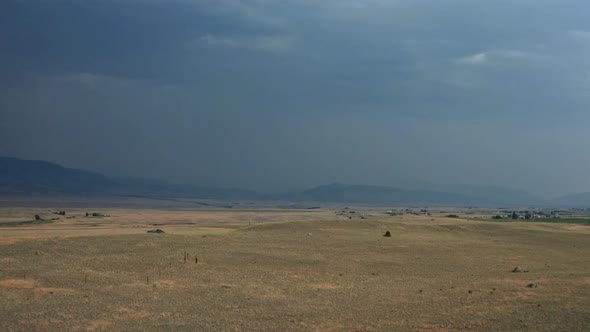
447 274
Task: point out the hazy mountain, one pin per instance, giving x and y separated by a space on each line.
493 194
32 177
40 177
581 200
381 195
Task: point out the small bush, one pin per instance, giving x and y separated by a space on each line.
387 234
497 217
452 216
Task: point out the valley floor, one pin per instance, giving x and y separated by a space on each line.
291 271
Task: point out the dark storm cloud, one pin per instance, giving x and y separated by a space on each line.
122 38
282 94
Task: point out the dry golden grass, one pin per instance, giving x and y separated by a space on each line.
125 221
17 283
315 274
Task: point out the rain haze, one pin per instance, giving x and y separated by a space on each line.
286 95
294 165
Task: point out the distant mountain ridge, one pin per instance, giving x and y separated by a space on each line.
34 177
575 200
337 192
19 176
495 194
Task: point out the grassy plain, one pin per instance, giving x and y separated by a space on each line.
290 270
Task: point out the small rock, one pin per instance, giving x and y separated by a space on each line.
532 285
518 269
225 286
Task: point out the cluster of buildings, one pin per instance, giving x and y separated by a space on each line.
527 216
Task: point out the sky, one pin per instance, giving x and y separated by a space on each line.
278 95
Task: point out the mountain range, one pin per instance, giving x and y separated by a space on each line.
20 177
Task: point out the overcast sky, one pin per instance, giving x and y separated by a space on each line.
279 95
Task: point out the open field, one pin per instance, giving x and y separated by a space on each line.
289 270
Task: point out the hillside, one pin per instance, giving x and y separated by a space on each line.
33 177
575 200
494 194
381 195
28 177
